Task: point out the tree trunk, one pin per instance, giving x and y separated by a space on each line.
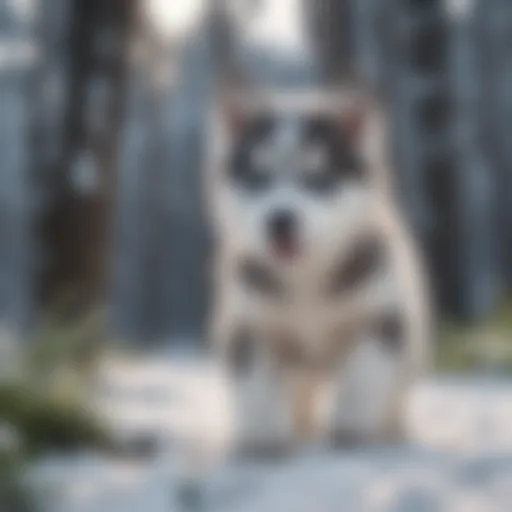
77 182
331 29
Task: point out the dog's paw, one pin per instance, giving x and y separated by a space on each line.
346 438
263 450
351 438
394 435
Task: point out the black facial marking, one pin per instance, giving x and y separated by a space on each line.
342 163
260 278
365 258
391 331
241 355
242 167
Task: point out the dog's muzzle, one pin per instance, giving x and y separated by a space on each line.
283 234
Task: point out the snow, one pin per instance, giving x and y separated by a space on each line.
459 456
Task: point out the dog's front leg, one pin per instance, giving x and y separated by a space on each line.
262 409
368 400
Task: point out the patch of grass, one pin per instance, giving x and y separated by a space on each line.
47 401
45 422
45 404
66 342
15 496
486 346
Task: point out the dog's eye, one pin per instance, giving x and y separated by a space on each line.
247 175
250 178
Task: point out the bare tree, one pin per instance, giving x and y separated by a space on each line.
331 28
78 98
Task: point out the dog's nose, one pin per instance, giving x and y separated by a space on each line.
282 224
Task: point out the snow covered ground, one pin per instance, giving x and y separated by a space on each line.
459 457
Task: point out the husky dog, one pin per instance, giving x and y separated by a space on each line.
319 306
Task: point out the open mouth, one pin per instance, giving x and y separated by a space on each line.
286 248
283 237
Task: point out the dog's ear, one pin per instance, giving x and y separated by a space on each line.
234 89
352 121
233 114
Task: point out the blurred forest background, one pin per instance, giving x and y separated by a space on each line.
102 106
102 232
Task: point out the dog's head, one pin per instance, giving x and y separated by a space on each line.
292 177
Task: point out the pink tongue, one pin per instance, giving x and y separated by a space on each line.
286 249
